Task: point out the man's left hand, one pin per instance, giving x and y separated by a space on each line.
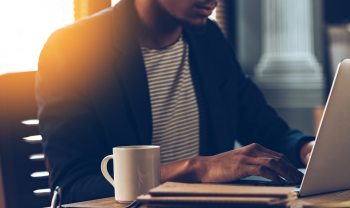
305 152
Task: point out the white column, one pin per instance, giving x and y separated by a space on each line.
288 71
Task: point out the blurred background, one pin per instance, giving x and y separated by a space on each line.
291 49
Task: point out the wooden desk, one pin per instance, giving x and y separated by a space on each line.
339 196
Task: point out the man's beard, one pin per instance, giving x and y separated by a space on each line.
193 28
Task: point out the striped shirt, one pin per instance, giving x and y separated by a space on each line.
175 113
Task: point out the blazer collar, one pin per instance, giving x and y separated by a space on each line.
130 68
124 21
212 83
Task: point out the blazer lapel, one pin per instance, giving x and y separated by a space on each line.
131 70
212 81
134 79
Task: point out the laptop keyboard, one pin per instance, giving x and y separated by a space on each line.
268 183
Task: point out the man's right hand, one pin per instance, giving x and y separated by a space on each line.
251 160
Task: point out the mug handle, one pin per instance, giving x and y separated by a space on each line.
104 169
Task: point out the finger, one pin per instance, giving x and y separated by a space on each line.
255 151
271 152
282 162
260 170
274 166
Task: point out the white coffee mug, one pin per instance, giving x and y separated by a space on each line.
136 171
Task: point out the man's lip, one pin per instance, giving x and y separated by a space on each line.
206 7
205 10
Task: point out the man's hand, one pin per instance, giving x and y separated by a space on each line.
236 164
305 152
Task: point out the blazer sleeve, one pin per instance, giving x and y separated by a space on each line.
68 124
259 123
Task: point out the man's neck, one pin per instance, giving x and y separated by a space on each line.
158 29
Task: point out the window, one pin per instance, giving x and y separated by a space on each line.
114 2
25 26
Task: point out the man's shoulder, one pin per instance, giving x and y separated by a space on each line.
89 29
81 46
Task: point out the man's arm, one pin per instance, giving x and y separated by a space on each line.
72 135
237 164
233 165
259 122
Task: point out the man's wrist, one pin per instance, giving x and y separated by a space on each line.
187 170
305 149
196 167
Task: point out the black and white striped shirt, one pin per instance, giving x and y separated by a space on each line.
174 104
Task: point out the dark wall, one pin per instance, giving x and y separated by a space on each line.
337 11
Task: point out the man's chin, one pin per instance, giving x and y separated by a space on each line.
194 28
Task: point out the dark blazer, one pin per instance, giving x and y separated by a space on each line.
93 95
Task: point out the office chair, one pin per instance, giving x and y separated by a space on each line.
24 179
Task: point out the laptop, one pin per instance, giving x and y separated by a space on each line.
329 165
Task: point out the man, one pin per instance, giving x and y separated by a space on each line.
156 72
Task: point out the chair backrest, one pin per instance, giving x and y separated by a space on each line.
23 176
